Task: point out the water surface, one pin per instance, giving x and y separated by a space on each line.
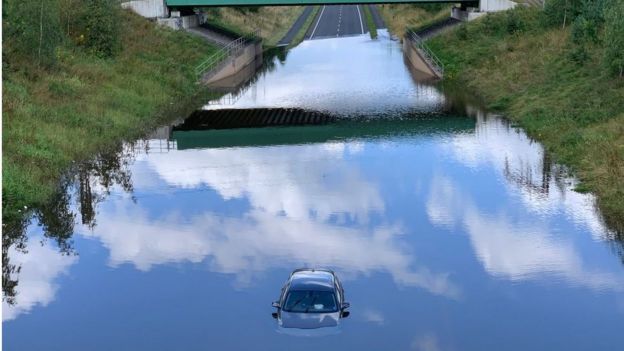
450 229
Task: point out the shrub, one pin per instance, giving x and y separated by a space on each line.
561 12
514 23
102 27
613 37
462 32
32 31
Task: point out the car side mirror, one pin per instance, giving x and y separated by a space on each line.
345 305
275 304
345 314
274 315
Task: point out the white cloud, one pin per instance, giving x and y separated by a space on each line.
258 242
514 250
299 197
426 342
287 180
520 163
39 269
372 316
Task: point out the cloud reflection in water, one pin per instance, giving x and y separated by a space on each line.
299 197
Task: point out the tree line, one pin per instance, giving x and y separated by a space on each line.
593 23
33 30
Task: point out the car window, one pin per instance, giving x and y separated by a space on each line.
310 301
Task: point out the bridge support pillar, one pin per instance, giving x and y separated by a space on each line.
147 8
469 13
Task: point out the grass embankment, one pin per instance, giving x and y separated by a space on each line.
400 17
304 29
272 21
370 23
534 74
84 104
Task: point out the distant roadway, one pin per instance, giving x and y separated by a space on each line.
338 21
333 21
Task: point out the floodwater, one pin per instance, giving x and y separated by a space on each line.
449 228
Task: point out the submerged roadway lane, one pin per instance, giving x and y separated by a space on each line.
338 21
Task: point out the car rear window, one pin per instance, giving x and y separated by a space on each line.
310 301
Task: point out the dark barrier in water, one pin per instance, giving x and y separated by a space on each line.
332 132
252 118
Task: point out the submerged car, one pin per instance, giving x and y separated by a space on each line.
310 299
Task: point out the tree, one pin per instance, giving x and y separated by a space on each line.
32 30
613 37
102 27
561 12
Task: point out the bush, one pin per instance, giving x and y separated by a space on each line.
561 12
514 23
613 37
32 31
102 20
579 54
462 32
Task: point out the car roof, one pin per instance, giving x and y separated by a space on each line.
312 279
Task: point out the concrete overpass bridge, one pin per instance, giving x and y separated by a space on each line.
166 8
208 3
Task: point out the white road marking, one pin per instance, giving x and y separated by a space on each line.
317 22
339 20
360 15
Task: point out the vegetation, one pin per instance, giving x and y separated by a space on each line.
557 73
370 23
400 17
304 29
79 84
272 21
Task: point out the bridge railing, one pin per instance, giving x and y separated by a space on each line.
426 51
219 57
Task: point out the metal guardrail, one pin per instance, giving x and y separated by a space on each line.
429 55
219 57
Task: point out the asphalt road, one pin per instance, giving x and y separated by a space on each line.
338 21
296 27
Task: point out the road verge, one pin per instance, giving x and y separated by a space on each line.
531 71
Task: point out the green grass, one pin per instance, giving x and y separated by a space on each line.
53 118
575 110
304 29
370 23
271 21
400 17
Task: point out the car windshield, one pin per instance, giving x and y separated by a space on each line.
310 301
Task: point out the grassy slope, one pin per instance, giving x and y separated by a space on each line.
304 29
400 17
272 21
370 23
575 110
53 118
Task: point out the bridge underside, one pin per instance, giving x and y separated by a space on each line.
207 3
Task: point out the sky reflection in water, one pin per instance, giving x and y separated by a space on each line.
466 238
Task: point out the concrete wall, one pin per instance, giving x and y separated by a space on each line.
147 8
466 15
485 6
417 61
248 55
496 5
182 22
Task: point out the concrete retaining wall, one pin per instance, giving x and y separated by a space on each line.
147 8
248 55
485 6
417 61
182 22
496 5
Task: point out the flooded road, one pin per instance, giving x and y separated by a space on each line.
449 228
